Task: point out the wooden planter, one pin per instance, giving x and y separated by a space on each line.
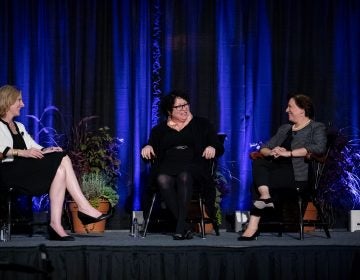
78 226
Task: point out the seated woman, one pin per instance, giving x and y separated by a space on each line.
284 164
181 147
31 169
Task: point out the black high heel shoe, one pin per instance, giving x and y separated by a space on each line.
249 238
86 219
53 235
262 203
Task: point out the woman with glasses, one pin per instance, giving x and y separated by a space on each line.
284 164
181 147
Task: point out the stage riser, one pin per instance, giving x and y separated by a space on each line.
111 262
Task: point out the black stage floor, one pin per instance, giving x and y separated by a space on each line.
116 255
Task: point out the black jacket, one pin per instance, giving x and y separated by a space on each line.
204 135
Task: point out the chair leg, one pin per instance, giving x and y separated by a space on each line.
322 220
202 222
301 219
9 212
148 217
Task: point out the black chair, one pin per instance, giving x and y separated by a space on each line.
198 197
303 197
316 166
8 192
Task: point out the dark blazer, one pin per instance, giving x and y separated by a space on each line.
312 137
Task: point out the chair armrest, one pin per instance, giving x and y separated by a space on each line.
256 155
316 157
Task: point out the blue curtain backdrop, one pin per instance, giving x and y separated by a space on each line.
239 59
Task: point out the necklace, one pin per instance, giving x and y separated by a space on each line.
179 126
300 126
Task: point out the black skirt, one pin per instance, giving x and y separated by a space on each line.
177 160
31 176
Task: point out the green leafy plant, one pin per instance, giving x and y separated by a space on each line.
96 188
94 151
95 157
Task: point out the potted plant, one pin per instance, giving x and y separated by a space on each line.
94 150
95 157
101 195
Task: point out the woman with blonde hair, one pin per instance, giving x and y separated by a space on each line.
32 169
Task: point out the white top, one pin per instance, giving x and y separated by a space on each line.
6 139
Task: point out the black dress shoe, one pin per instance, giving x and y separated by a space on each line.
263 203
86 219
249 238
178 236
187 235
53 235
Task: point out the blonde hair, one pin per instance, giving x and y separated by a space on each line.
8 96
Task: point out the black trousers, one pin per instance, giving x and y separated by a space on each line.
276 174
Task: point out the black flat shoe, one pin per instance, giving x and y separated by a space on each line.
178 236
86 219
53 235
249 238
188 235
263 203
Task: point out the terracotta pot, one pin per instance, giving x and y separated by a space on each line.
208 227
310 214
78 226
194 214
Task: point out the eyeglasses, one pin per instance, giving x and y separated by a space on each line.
181 107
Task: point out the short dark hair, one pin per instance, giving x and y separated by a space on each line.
167 101
304 102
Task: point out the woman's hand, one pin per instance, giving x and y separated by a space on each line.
280 152
31 153
148 152
209 152
51 150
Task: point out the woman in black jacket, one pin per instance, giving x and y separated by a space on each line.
181 148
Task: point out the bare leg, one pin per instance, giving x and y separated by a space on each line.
65 179
252 226
57 195
264 192
73 187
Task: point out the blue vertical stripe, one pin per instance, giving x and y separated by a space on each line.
244 77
